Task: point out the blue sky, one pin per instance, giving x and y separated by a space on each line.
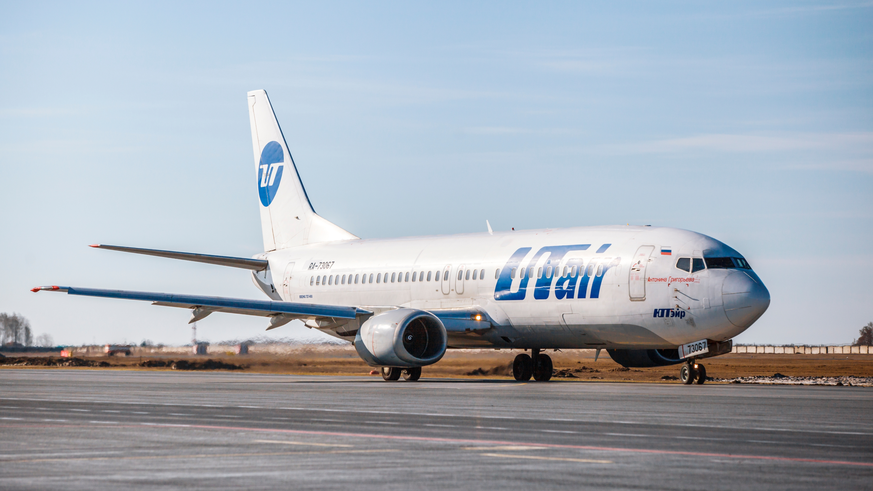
126 124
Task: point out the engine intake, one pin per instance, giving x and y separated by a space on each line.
401 338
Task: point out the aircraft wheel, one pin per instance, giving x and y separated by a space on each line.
390 373
522 368
701 374
543 370
411 374
686 374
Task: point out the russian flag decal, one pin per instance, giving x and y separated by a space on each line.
666 251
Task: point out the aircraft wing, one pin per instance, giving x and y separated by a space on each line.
233 262
280 313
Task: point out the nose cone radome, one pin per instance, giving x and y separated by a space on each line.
745 299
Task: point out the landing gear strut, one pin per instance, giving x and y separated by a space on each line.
692 372
539 366
394 373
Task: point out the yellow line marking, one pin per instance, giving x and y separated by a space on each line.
285 442
535 457
506 447
200 456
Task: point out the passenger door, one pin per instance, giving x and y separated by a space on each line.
637 275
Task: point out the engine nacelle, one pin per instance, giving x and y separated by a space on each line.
401 338
643 358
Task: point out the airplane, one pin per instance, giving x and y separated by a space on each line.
650 296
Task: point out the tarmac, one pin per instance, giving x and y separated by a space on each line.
109 429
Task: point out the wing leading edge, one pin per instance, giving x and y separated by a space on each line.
280 313
233 262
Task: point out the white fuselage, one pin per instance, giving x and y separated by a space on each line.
586 287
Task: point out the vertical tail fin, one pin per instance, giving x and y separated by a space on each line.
287 216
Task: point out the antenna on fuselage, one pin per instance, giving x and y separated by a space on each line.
489 227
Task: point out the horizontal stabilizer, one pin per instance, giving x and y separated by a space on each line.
204 305
233 262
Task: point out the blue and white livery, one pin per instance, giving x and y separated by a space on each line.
648 295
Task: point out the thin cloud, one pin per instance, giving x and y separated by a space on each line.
732 143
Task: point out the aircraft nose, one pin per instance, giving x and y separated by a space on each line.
745 299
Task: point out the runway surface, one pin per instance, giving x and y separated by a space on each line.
101 429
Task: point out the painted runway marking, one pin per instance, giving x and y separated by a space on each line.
11 418
284 442
109 411
560 431
139 412
55 420
490 428
381 422
181 414
440 426
81 410
104 422
536 457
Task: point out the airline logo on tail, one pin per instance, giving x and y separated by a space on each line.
270 172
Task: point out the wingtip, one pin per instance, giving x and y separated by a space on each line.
34 290
52 288
94 245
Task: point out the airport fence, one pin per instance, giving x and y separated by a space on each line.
802 350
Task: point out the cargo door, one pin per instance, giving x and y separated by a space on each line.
637 275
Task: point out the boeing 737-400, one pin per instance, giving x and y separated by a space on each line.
649 296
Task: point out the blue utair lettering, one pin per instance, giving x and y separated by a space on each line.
669 313
566 286
556 253
270 171
503 290
504 282
598 280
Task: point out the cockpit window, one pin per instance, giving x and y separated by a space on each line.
727 263
684 263
697 265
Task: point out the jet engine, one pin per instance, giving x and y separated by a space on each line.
402 338
644 358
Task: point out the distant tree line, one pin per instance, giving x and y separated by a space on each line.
866 336
15 328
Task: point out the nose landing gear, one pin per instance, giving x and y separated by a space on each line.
692 372
539 366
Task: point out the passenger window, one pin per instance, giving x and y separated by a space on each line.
371 277
330 280
697 265
684 263
356 278
414 277
482 274
392 277
599 270
548 272
406 278
311 280
539 272
446 276
496 273
379 278
512 272
573 271
590 270
474 273
344 279
428 276
460 274
467 276
317 280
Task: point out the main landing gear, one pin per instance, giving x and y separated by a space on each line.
394 373
692 372
539 366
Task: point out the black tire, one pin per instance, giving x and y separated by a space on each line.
701 375
687 374
522 368
543 370
390 373
411 374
